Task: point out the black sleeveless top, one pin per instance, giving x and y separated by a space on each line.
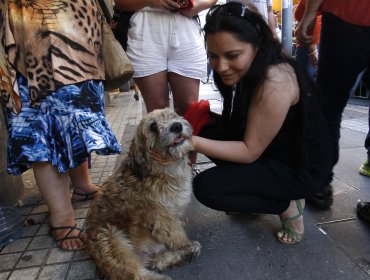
288 143
304 141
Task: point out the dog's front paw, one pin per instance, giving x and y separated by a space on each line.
151 275
196 247
193 251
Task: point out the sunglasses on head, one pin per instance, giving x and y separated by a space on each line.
232 9
228 9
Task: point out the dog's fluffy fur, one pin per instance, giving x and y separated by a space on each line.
133 227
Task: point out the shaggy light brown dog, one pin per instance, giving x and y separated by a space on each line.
133 227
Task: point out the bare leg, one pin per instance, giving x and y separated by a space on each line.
137 92
54 188
154 90
81 182
185 90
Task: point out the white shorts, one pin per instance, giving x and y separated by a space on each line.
159 40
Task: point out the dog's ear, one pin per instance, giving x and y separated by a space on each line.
137 155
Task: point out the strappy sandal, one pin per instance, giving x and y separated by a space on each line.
67 236
85 196
288 230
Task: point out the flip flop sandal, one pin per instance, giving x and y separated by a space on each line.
67 236
288 231
85 196
363 211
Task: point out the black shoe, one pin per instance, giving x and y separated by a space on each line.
136 96
322 200
363 211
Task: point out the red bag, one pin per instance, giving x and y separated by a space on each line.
185 4
198 115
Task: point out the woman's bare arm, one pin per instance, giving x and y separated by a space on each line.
266 116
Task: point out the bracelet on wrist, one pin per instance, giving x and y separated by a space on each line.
313 52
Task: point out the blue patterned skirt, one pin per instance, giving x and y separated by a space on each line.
68 126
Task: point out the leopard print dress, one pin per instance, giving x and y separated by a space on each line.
51 83
52 43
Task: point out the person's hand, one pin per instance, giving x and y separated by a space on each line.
164 4
196 7
305 28
189 12
198 115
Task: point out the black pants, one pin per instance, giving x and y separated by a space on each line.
264 186
344 54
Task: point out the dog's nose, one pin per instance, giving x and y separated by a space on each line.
176 127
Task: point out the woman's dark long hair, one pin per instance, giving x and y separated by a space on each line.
251 28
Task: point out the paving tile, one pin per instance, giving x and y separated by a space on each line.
41 242
29 201
43 208
32 258
107 174
17 246
97 168
4 275
110 164
58 256
96 176
102 180
82 270
95 180
54 272
8 261
81 204
81 213
81 255
30 230
25 274
34 219
25 210
112 157
95 173
80 223
44 229
100 161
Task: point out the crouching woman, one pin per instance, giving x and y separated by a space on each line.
271 145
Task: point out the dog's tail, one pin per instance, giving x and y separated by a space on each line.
114 254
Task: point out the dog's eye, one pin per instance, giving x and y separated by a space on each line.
153 127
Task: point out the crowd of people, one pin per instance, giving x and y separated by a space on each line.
274 145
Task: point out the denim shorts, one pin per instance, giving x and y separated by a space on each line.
68 126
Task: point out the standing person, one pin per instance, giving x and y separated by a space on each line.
264 7
166 48
51 84
344 54
308 55
269 144
120 24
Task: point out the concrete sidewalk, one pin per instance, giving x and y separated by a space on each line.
336 244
